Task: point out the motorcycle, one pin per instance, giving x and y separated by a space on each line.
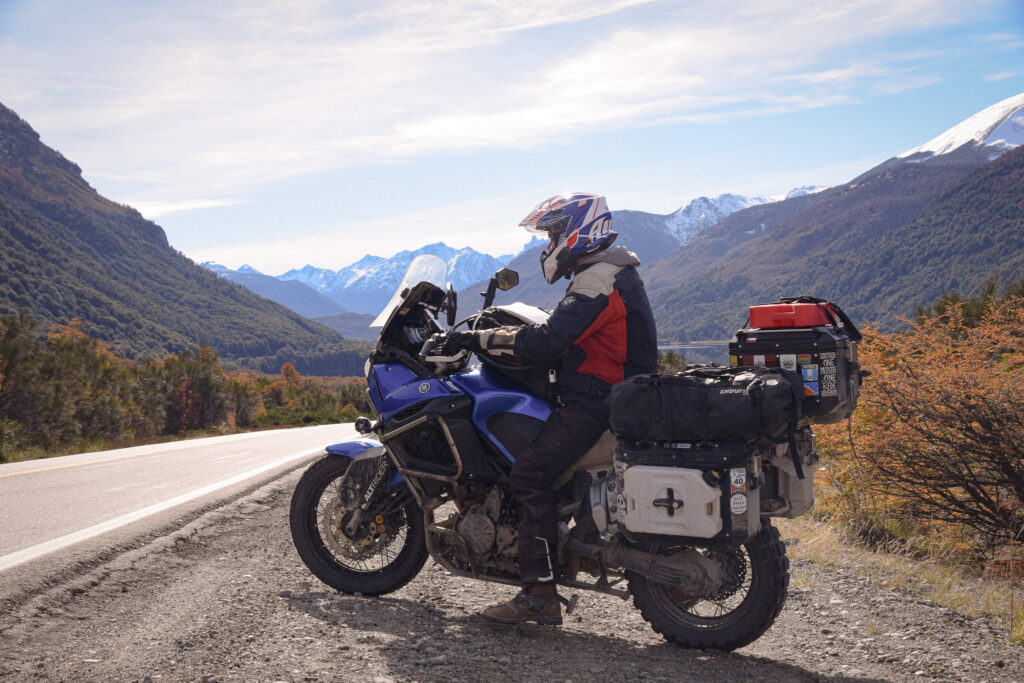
429 478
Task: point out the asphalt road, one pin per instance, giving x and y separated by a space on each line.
54 504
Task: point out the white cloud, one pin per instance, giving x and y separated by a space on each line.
488 225
200 98
1001 76
153 210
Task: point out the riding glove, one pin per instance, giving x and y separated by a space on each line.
461 340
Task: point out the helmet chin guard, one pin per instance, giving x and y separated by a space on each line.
577 224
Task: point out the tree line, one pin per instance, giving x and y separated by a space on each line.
64 391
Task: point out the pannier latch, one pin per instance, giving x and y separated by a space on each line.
671 503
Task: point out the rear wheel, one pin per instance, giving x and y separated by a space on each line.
383 551
738 614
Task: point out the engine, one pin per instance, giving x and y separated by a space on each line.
484 535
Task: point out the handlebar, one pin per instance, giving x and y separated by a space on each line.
437 341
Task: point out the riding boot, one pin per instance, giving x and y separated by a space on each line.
537 602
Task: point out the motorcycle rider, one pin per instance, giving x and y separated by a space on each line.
601 332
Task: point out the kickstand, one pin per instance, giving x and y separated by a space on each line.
570 604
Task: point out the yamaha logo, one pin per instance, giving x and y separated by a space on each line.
425 387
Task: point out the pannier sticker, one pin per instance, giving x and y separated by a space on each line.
787 361
738 504
810 373
758 361
828 380
733 360
811 389
803 358
737 480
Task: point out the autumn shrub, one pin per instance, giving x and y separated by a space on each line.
63 392
935 449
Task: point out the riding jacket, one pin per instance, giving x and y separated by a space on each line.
601 332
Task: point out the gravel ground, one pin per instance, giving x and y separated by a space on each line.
227 599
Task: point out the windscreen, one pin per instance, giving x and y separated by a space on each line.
424 268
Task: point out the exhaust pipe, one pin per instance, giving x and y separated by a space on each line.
696 575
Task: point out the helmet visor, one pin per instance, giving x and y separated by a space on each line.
533 219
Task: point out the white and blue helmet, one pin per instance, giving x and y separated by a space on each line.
577 223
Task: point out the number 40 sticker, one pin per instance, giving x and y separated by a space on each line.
738 479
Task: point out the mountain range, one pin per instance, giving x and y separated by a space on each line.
946 215
349 298
366 285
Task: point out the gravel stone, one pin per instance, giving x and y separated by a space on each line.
227 599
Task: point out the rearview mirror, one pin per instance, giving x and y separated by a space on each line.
507 279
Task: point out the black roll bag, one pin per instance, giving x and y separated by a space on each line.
706 403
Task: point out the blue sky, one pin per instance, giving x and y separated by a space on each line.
285 133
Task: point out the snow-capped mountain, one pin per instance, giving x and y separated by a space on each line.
702 212
216 267
801 191
991 131
326 281
367 285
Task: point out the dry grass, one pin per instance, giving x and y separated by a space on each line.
948 585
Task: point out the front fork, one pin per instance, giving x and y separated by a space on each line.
366 475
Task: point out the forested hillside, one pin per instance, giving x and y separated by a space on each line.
69 253
297 296
880 245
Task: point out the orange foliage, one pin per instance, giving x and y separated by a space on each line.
937 440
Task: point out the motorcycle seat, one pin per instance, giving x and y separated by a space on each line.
601 456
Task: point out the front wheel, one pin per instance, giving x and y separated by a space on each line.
738 613
385 551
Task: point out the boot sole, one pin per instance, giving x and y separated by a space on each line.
543 621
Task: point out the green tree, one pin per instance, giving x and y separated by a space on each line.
22 394
671 362
196 398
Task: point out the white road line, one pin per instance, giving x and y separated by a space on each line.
28 554
230 456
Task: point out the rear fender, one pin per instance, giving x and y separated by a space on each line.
365 449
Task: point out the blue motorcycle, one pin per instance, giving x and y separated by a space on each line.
683 529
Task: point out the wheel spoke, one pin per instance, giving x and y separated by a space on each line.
369 551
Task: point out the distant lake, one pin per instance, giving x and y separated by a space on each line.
707 352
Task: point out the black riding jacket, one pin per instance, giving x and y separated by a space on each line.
601 332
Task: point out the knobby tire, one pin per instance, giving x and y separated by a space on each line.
354 575
742 620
